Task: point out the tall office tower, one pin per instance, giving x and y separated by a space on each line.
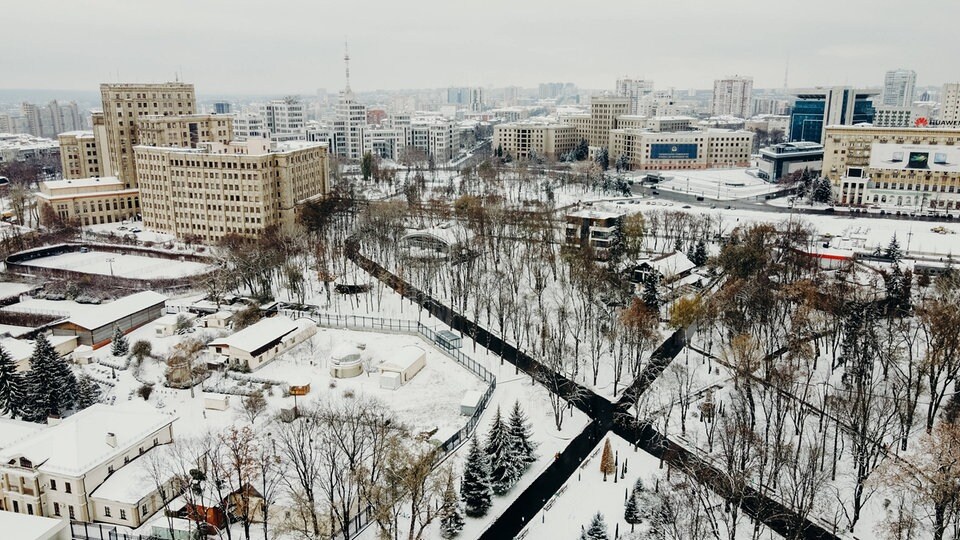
635 89
950 103
733 96
458 95
476 99
817 108
123 105
221 107
898 85
284 118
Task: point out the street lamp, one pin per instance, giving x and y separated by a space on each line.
110 260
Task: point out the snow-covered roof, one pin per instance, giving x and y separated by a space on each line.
595 214
448 233
79 443
262 334
404 359
111 181
671 264
12 430
131 483
17 526
100 315
19 349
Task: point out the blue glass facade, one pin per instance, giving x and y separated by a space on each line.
807 116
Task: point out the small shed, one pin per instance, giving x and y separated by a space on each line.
407 362
390 380
220 319
263 341
449 340
470 402
82 355
216 402
96 324
167 325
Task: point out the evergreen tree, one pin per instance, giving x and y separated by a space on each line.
451 522
622 164
597 529
607 466
50 384
366 166
631 512
700 253
11 386
822 191
603 158
678 244
893 251
88 392
475 486
651 296
505 470
120 346
581 151
522 449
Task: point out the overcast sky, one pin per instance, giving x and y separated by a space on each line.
281 46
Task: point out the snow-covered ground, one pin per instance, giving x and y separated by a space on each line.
715 184
8 289
121 265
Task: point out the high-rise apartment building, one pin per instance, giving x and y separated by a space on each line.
243 187
31 119
818 108
733 96
79 156
635 89
124 105
477 103
898 87
950 104
349 126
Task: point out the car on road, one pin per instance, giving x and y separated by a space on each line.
135 230
655 192
686 206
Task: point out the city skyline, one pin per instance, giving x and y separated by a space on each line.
390 48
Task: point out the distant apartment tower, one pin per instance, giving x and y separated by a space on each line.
635 89
476 99
284 118
950 104
817 108
31 119
221 107
349 126
124 105
733 96
898 87
458 95
57 118
79 156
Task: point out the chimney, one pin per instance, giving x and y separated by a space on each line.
111 440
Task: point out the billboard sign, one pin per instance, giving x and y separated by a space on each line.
915 157
673 151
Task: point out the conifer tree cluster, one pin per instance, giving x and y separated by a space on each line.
50 385
451 521
12 389
499 463
120 347
597 529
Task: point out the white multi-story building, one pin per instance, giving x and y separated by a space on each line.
436 136
950 104
68 470
635 89
898 88
733 96
349 126
891 116
249 126
658 103
284 118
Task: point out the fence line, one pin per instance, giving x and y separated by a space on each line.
364 323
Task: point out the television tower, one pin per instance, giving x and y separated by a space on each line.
346 62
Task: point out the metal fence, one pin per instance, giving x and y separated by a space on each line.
364 323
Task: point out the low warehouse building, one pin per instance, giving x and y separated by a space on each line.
95 326
259 343
403 367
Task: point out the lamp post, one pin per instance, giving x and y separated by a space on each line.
110 260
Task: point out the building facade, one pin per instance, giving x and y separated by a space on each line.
185 131
818 108
898 88
124 105
909 169
950 104
239 188
893 116
284 119
782 159
733 96
89 201
708 149
79 157
523 139
635 90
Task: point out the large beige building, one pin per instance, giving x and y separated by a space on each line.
710 149
950 104
546 139
124 105
185 131
913 169
79 156
604 112
90 201
217 189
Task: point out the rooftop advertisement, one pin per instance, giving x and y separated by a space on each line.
920 157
